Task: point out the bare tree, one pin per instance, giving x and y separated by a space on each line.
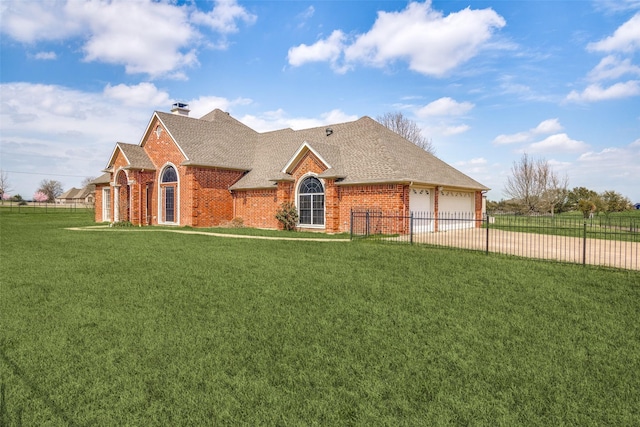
406 128
5 185
51 188
87 180
535 185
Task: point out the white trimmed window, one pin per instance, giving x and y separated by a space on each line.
311 202
168 189
106 204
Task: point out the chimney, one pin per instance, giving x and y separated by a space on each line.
180 109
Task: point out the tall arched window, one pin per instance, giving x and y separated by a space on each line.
168 187
311 202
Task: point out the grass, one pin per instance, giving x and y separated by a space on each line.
125 328
622 226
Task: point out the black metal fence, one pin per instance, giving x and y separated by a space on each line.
43 207
603 240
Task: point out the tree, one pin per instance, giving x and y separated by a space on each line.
86 181
587 207
406 128
51 188
581 193
5 185
535 185
613 201
584 200
39 196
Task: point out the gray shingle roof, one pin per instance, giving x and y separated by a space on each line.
216 140
358 152
136 156
105 178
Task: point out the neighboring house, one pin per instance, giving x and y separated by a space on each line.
77 196
208 171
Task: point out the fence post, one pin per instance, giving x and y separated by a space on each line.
411 227
486 218
366 232
351 226
584 244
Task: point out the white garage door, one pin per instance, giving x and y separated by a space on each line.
456 209
420 207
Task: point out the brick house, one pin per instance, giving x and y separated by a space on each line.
206 172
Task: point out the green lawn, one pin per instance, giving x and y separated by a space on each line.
623 226
143 328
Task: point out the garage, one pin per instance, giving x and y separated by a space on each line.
456 210
420 205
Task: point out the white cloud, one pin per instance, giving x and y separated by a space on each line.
279 119
613 168
557 142
545 127
432 44
116 37
205 104
625 39
617 5
611 67
328 49
306 14
142 95
514 138
49 129
31 21
445 107
145 36
224 16
45 56
596 92
454 130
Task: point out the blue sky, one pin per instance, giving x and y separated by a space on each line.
486 80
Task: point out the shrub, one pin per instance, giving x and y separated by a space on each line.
287 215
122 224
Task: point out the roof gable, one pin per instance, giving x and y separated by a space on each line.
156 120
299 155
134 155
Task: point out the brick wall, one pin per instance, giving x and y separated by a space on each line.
97 207
257 208
212 202
383 197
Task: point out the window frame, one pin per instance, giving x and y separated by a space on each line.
311 200
162 187
106 204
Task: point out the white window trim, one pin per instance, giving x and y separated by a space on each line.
106 204
324 210
176 197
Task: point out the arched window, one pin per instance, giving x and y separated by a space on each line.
169 175
311 202
168 188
